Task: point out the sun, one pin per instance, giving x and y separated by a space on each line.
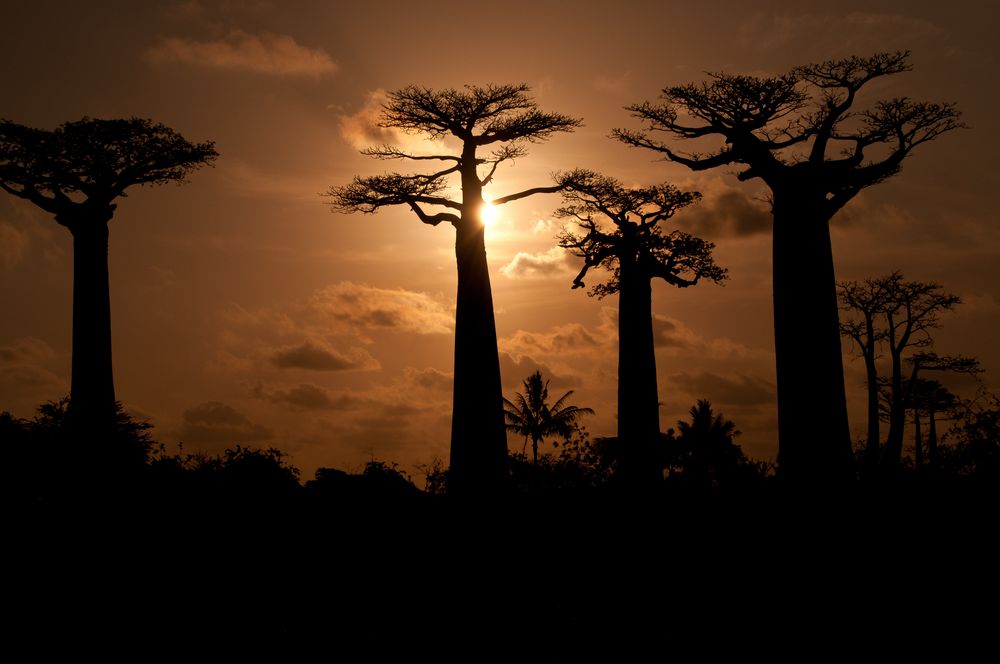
489 214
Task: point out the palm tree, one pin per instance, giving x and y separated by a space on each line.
530 415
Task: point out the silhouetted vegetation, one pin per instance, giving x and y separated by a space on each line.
894 315
531 416
803 135
506 117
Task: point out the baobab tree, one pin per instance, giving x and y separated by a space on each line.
864 304
76 172
531 416
622 232
502 118
803 136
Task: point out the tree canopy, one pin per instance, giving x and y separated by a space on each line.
594 201
93 161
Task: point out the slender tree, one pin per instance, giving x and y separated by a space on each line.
911 310
502 118
933 399
531 416
864 304
802 134
75 173
621 231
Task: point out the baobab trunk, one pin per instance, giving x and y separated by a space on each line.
893 454
92 390
813 436
918 441
478 432
933 458
638 400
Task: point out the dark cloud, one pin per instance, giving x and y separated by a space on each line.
314 357
739 390
730 213
216 422
307 396
514 371
429 378
667 333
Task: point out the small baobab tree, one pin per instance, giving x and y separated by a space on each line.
621 231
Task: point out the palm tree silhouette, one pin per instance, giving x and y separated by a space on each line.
530 415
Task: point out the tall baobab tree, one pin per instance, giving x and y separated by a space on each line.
531 416
503 119
802 134
76 172
621 231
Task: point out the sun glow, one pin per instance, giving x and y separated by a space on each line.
489 214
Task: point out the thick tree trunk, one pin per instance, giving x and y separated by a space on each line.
478 431
92 391
638 400
814 442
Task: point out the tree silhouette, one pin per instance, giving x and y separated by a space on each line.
801 134
531 416
929 395
708 453
75 173
863 304
934 399
897 315
622 233
506 118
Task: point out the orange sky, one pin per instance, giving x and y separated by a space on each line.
245 312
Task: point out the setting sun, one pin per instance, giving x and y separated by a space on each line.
489 214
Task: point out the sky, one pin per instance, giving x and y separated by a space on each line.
245 312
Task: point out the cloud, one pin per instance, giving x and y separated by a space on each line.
740 390
361 129
554 261
728 213
362 307
835 35
13 243
317 357
26 350
276 55
514 369
562 339
429 378
306 396
216 422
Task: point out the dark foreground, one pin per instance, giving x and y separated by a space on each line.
913 569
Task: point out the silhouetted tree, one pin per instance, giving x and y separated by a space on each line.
622 233
704 451
920 393
531 416
802 135
864 303
76 172
503 116
934 399
911 309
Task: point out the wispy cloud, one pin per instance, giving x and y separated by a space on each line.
276 55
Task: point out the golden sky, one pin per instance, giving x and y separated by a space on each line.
244 311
